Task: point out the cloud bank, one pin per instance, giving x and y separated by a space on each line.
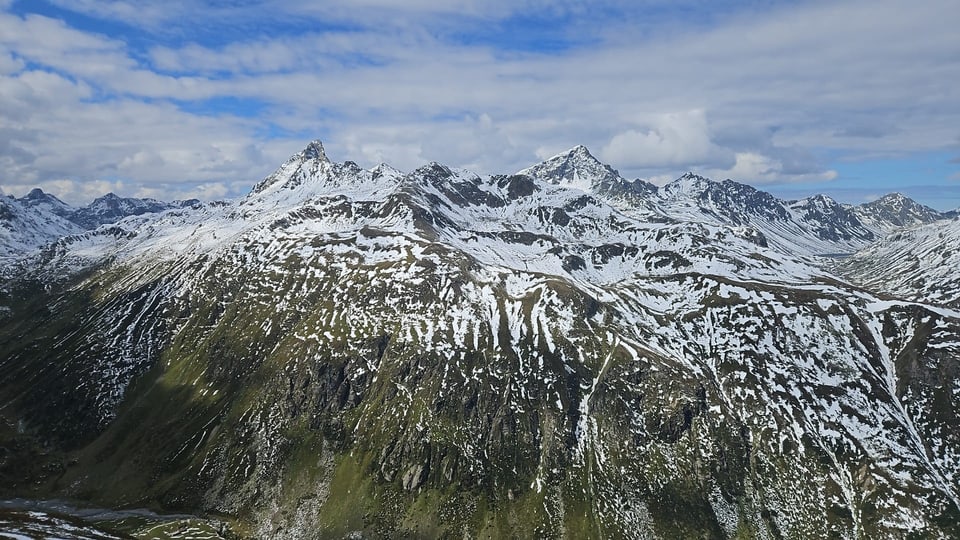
189 98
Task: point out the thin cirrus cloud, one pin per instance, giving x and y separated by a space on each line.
207 97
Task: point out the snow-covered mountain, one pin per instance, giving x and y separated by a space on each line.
895 211
37 219
560 352
813 226
111 208
831 221
576 168
809 227
919 263
30 222
518 221
45 203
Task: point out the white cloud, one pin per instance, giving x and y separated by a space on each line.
52 135
9 64
204 192
751 98
51 42
670 140
759 169
149 13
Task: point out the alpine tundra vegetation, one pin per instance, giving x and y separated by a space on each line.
555 353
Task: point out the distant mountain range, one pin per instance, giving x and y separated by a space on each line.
554 353
918 263
812 226
29 222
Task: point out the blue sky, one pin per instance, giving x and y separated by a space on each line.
192 98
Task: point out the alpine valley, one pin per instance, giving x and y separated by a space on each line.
556 353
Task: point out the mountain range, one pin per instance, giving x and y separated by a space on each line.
558 352
36 219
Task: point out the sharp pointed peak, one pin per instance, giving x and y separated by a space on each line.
579 151
818 199
894 198
382 166
689 181
690 175
296 169
575 167
314 150
38 196
383 169
434 166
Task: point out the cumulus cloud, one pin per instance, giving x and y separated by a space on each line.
760 169
670 140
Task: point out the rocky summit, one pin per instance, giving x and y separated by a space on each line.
555 353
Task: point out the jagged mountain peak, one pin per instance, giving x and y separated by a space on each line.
581 152
112 200
578 152
830 220
35 193
894 201
309 166
692 176
314 150
384 169
896 196
693 196
691 183
576 167
434 168
688 184
819 200
111 208
895 210
38 196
